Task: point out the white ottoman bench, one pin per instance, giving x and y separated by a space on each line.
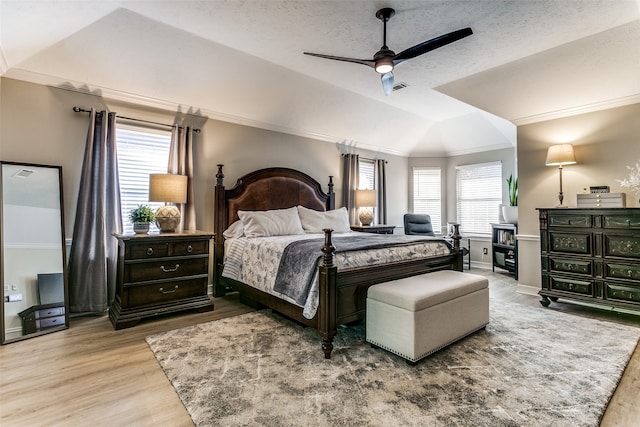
416 316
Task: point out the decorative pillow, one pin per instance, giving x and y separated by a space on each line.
315 221
277 222
234 231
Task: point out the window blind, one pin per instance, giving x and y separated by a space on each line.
366 175
427 194
479 194
140 153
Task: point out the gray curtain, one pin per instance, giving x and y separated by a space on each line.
351 176
181 163
381 190
92 260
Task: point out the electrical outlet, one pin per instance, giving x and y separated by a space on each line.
485 251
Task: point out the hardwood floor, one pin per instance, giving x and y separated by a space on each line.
93 375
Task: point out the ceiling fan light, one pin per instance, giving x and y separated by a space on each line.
384 65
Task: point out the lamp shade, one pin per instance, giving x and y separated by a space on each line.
558 155
365 198
167 188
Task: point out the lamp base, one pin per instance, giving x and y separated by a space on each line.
366 216
167 218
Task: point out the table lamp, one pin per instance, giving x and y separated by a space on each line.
167 188
559 155
366 201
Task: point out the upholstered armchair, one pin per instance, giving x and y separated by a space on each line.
418 224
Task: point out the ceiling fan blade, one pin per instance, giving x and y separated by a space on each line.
432 44
387 83
367 62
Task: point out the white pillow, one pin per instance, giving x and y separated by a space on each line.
277 222
234 231
315 221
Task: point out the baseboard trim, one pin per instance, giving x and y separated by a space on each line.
527 289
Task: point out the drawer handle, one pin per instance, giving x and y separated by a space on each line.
630 273
570 266
175 288
189 249
170 270
150 251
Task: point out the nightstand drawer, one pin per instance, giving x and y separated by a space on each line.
163 292
49 322
148 250
165 269
190 248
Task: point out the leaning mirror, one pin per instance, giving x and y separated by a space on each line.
32 251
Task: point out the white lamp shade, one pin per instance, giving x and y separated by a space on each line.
558 155
168 188
365 198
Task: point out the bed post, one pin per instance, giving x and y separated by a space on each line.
327 305
220 222
455 236
331 203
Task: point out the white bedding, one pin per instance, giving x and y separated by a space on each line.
255 261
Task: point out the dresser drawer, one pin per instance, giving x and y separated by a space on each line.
617 221
619 292
621 271
575 243
196 247
49 312
165 269
582 287
163 292
571 265
570 221
625 246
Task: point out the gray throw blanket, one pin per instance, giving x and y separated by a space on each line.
299 260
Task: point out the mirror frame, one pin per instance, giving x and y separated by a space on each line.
3 338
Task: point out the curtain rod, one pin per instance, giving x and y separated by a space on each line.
82 110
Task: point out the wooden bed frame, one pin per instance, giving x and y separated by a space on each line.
342 293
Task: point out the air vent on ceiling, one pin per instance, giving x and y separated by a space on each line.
399 86
23 173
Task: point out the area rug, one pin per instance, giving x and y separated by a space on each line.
529 367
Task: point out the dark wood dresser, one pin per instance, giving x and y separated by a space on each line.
376 229
160 273
40 317
591 255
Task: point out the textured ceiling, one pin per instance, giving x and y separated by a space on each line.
242 61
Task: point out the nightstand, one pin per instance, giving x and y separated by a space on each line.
160 273
377 229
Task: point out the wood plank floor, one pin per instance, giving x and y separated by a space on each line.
93 375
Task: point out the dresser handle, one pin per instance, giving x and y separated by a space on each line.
189 249
169 292
150 251
170 270
630 273
570 266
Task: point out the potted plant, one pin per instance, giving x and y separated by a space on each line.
141 217
510 213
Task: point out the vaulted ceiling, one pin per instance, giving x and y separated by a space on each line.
242 61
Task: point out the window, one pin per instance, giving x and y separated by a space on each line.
479 194
140 153
427 194
367 175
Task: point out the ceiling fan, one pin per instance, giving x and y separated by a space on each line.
385 59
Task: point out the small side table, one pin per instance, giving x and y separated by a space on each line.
376 229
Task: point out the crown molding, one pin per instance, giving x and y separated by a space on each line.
574 111
137 99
